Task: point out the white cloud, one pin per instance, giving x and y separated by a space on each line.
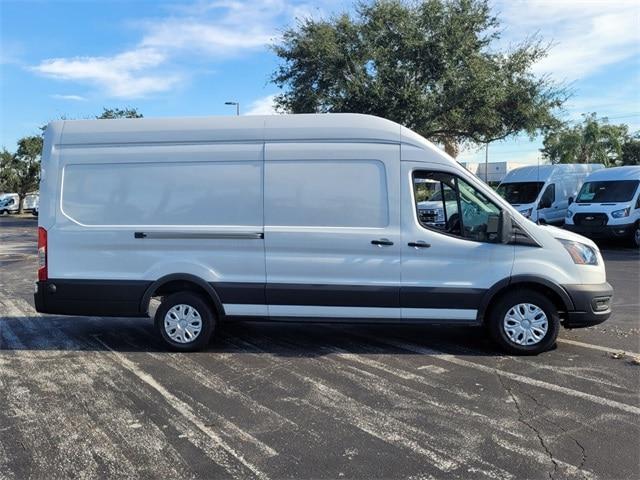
262 106
213 30
75 98
122 75
587 36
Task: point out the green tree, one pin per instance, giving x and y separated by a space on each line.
111 113
631 151
432 66
592 141
20 171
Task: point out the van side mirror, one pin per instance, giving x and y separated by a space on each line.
506 227
570 200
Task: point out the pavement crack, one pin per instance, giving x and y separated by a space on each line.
522 419
583 451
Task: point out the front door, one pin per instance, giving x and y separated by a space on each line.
332 230
451 250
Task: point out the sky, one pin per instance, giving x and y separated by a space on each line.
62 58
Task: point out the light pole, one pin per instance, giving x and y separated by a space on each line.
486 164
237 104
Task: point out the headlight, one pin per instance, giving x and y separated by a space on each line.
569 214
526 213
620 213
580 253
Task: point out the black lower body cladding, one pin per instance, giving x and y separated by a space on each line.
585 304
104 298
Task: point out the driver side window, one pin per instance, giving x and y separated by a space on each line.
548 197
448 204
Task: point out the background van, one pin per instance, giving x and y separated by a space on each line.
310 218
543 193
608 205
9 203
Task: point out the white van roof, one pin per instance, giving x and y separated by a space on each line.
631 172
542 173
299 127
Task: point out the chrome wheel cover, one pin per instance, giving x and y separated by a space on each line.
525 324
636 237
182 323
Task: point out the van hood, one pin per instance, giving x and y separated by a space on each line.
563 234
605 207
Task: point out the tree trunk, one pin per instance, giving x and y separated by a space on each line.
451 147
21 203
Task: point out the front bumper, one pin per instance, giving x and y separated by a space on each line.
592 304
623 230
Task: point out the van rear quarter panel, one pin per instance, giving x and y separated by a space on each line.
107 193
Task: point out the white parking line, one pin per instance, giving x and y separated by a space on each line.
595 347
184 409
445 357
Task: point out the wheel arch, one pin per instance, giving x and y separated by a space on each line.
178 282
555 292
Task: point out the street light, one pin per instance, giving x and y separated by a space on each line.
237 104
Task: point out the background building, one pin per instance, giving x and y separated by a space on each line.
495 170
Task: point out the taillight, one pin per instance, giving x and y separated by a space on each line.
42 254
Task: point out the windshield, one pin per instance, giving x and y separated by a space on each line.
520 192
611 191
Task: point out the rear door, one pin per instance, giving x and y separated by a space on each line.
332 230
448 266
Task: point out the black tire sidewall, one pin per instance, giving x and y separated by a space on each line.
206 314
511 299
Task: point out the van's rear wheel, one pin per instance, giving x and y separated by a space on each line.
185 321
524 322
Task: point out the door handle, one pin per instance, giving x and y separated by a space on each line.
382 242
419 244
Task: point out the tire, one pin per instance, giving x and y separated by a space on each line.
635 235
523 306
174 315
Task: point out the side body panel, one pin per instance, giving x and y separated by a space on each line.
324 205
138 213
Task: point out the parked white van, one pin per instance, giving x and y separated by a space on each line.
608 205
295 217
9 203
30 202
543 193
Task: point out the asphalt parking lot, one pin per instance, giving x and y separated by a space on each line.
96 397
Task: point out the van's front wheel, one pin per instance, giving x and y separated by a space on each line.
524 323
185 321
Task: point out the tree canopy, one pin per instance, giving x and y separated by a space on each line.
433 66
594 140
631 151
112 113
20 171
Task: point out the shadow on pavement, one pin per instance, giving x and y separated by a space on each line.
51 333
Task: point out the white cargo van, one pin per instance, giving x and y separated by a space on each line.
9 203
608 205
295 217
543 193
30 202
